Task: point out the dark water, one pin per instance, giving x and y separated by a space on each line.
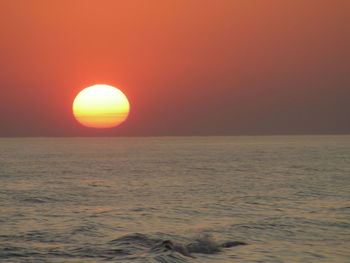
118 199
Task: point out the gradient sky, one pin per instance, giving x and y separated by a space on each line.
218 67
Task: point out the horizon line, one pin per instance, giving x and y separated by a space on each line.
208 135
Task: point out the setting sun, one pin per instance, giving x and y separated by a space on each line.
101 106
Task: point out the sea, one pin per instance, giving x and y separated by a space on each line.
175 199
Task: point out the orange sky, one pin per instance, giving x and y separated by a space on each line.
188 67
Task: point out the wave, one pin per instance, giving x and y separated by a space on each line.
164 250
136 247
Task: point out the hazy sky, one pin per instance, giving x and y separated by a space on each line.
218 67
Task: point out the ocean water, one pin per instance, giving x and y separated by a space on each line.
286 198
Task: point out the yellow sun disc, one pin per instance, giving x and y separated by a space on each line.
101 106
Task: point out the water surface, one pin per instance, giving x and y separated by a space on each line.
116 199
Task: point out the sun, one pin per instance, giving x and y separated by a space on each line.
101 106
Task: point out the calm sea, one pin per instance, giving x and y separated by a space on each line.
118 199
